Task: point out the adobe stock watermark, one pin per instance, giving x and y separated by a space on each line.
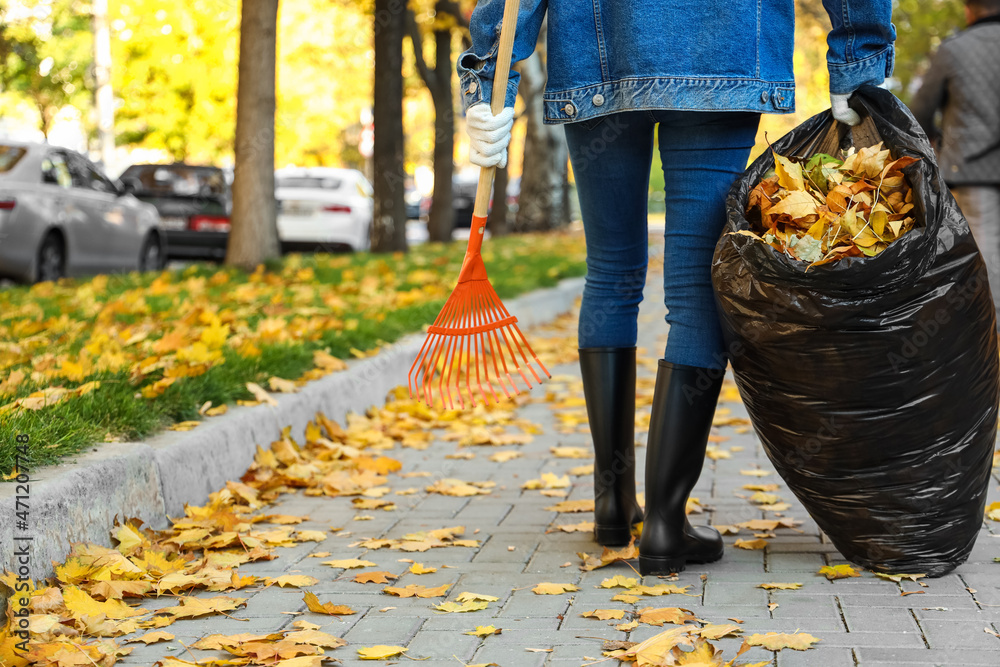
21 521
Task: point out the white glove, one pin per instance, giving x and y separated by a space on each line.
842 112
489 135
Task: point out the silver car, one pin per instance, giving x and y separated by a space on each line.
61 216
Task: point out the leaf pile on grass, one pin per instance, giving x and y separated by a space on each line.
121 356
833 207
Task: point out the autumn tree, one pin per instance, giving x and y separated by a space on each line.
388 232
544 200
254 234
46 54
444 19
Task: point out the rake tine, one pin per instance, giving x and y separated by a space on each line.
412 381
494 351
483 338
475 317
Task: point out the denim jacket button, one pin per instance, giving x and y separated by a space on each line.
570 109
598 100
763 96
472 87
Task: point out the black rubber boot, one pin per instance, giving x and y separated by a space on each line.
609 388
683 407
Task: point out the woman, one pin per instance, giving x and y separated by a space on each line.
704 71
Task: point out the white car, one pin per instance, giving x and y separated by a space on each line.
61 216
321 208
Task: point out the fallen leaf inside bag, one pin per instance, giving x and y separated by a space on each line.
828 207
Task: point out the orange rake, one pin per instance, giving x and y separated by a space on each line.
473 328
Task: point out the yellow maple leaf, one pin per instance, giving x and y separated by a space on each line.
775 641
548 588
750 544
780 587
374 577
153 637
314 605
293 581
572 506
571 452
838 572
191 607
789 173
80 604
605 614
459 607
713 631
483 631
619 581
348 563
468 597
899 577
418 568
380 652
416 590
661 615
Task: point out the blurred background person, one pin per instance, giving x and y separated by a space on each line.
963 83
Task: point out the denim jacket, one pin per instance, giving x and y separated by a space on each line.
720 55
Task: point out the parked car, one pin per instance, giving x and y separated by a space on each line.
61 216
194 203
463 187
463 196
416 203
321 208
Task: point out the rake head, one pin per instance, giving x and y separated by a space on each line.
473 342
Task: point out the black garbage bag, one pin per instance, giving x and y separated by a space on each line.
872 382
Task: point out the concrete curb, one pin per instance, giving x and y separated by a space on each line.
77 500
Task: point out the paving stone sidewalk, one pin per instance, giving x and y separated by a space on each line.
866 621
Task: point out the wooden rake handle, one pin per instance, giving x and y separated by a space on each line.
500 77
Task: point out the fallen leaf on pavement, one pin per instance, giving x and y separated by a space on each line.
418 568
899 577
775 641
380 652
547 588
314 605
571 452
838 572
608 556
582 527
713 631
452 607
604 614
659 616
619 581
780 587
483 631
348 563
416 590
572 506
374 577
153 637
750 544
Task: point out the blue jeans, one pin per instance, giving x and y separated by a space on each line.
702 154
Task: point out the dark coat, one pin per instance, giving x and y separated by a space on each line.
963 82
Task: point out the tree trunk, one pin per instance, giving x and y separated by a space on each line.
254 233
496 222
388 231
104 101
441 219
544 199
